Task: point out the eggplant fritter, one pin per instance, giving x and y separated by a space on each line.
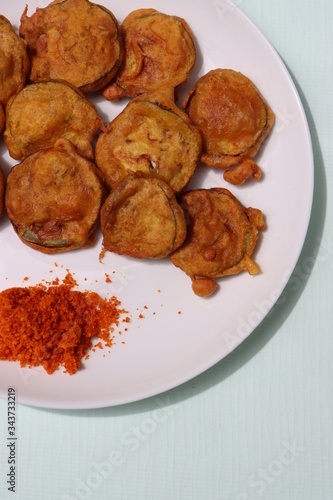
141 218
14 61
151 135
221 236
232 116
2 190
53 199
43 112
73 40
159 51
2 119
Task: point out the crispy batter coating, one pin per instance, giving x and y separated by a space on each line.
221 236
231 114
141 218
239 174
53 199
2 190
2 118
151 135
159 51
73 40
2 178
14 61
43 112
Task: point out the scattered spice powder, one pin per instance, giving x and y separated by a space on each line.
99 345
107 278
54 326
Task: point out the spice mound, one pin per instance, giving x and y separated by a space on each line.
53 326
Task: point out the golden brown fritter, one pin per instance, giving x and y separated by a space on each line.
159 51
43 112
231 115
2 178
73 40
2 118
151 135
14 61
53 199
2 190
141 218
221 236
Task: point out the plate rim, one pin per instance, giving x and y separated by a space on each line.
213 360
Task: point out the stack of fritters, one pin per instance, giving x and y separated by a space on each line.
14 67
146 157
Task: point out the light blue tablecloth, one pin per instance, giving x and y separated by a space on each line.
259 424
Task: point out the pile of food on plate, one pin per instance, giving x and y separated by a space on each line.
133 174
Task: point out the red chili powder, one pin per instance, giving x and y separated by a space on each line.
54 326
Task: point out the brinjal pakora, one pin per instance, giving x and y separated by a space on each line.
221 236
151 135
73 40
53 199
141 218
159 51
232 116
2 190
43 112
2 119
2 178
14 61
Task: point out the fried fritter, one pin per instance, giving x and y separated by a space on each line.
2 119
43 112
2 178
221 236
232 116
159 51
73 40
151 135
2 190
53 199
141 218
14 61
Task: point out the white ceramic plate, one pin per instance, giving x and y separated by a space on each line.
181 335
